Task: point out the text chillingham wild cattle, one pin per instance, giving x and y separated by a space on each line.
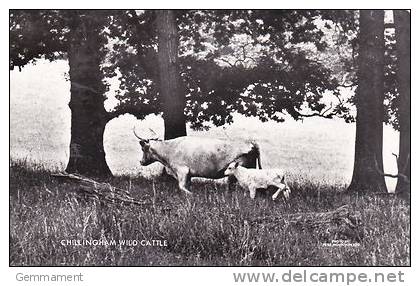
190 156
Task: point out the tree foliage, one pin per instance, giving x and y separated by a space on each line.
265 63
255 62
35 34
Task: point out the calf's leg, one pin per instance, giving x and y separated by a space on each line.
276 194
286 191
252 192
282 188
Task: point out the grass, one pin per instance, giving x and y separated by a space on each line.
208 228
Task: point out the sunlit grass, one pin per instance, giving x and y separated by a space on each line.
209 228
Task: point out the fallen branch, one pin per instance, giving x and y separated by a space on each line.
341 221
101 191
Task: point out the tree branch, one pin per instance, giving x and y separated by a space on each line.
137 112
294 113
315 114
399 174
407 162
322 114
101 191
389 26
244 55
226 61
240 60
348 85
339 99
77 85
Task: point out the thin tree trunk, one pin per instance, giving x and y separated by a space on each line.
173 100
88 115
402 33
369 104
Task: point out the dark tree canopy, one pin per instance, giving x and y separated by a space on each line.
263 63
36 34
252 62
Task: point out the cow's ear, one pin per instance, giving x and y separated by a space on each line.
236 164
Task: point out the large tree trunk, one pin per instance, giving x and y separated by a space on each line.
369 104
88 115
402 33
173 99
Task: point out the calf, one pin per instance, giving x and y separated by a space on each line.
252 179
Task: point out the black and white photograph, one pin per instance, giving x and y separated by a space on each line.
240 137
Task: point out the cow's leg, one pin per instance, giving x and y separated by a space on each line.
232 183
167 175
252 191
183 179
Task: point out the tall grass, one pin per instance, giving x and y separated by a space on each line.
209 228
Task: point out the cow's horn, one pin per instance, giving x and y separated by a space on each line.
135 134
155 134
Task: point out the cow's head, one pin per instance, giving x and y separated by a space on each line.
149 154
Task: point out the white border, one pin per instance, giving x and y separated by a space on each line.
185 275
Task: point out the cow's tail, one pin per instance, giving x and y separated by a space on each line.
256 149
259 160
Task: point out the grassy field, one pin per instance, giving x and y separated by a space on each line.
318 149
208 228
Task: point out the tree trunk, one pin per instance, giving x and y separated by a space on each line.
173 100
369 103
402 33
88 115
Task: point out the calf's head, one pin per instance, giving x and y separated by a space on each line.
231 168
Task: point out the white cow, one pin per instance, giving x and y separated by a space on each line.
252 179
189 156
